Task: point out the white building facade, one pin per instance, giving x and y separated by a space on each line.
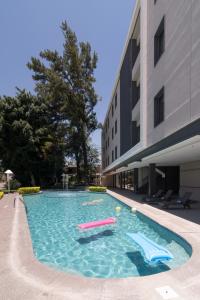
151 133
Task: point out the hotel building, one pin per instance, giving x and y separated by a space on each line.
151 132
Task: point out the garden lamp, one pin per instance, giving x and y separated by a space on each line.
9 174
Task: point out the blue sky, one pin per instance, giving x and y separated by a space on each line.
29 26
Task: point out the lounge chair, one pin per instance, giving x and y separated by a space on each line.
183 201
155 196
164 198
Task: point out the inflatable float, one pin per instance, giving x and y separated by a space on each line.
153 252
94 202
93 224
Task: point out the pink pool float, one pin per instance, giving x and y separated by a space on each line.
93 224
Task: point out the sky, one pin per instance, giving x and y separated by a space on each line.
29 26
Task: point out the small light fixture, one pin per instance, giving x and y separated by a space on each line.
9 175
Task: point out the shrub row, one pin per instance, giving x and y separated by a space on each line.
1 194
29 190
97 188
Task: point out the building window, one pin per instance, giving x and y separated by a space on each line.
112 155
112 133
108 160
159 108
112 110
115 100
159 41
115 126
116 152
108 141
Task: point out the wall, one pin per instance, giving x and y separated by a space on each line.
178 69
116 116
125 102
190 179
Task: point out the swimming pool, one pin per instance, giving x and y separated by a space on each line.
103 252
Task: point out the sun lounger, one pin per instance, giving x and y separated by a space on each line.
155 196
164 198
183 201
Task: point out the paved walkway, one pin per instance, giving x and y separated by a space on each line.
192 215
23 277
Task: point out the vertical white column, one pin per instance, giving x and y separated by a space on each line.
143 70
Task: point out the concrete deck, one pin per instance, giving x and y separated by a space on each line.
23 277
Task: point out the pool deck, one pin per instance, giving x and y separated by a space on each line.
22 276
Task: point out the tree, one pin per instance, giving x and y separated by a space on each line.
38 131
93 160
66 83
24 137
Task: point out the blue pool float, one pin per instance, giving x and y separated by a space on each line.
152 251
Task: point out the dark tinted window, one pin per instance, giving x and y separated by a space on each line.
159 108
115 100
116 152
159 41
112 155
115 126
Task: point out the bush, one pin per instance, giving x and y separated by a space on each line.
29 190
97 189
7 191
14 184
1 194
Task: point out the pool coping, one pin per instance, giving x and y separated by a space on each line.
59 285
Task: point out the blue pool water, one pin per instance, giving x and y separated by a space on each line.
104 252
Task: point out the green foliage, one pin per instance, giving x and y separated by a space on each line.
7 191
66 83
23 135
100 189
29 190
93 160
14 184
1 195
37 132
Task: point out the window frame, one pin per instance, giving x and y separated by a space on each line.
112 110
115 126
112 155
116 100
159 45
159 107
115 152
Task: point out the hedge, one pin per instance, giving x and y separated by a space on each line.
1 194
29 190
97 188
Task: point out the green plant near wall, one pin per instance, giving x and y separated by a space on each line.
100 189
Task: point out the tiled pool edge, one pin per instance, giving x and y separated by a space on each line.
60 285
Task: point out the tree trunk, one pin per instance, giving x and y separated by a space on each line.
85 159
78 168
32 179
